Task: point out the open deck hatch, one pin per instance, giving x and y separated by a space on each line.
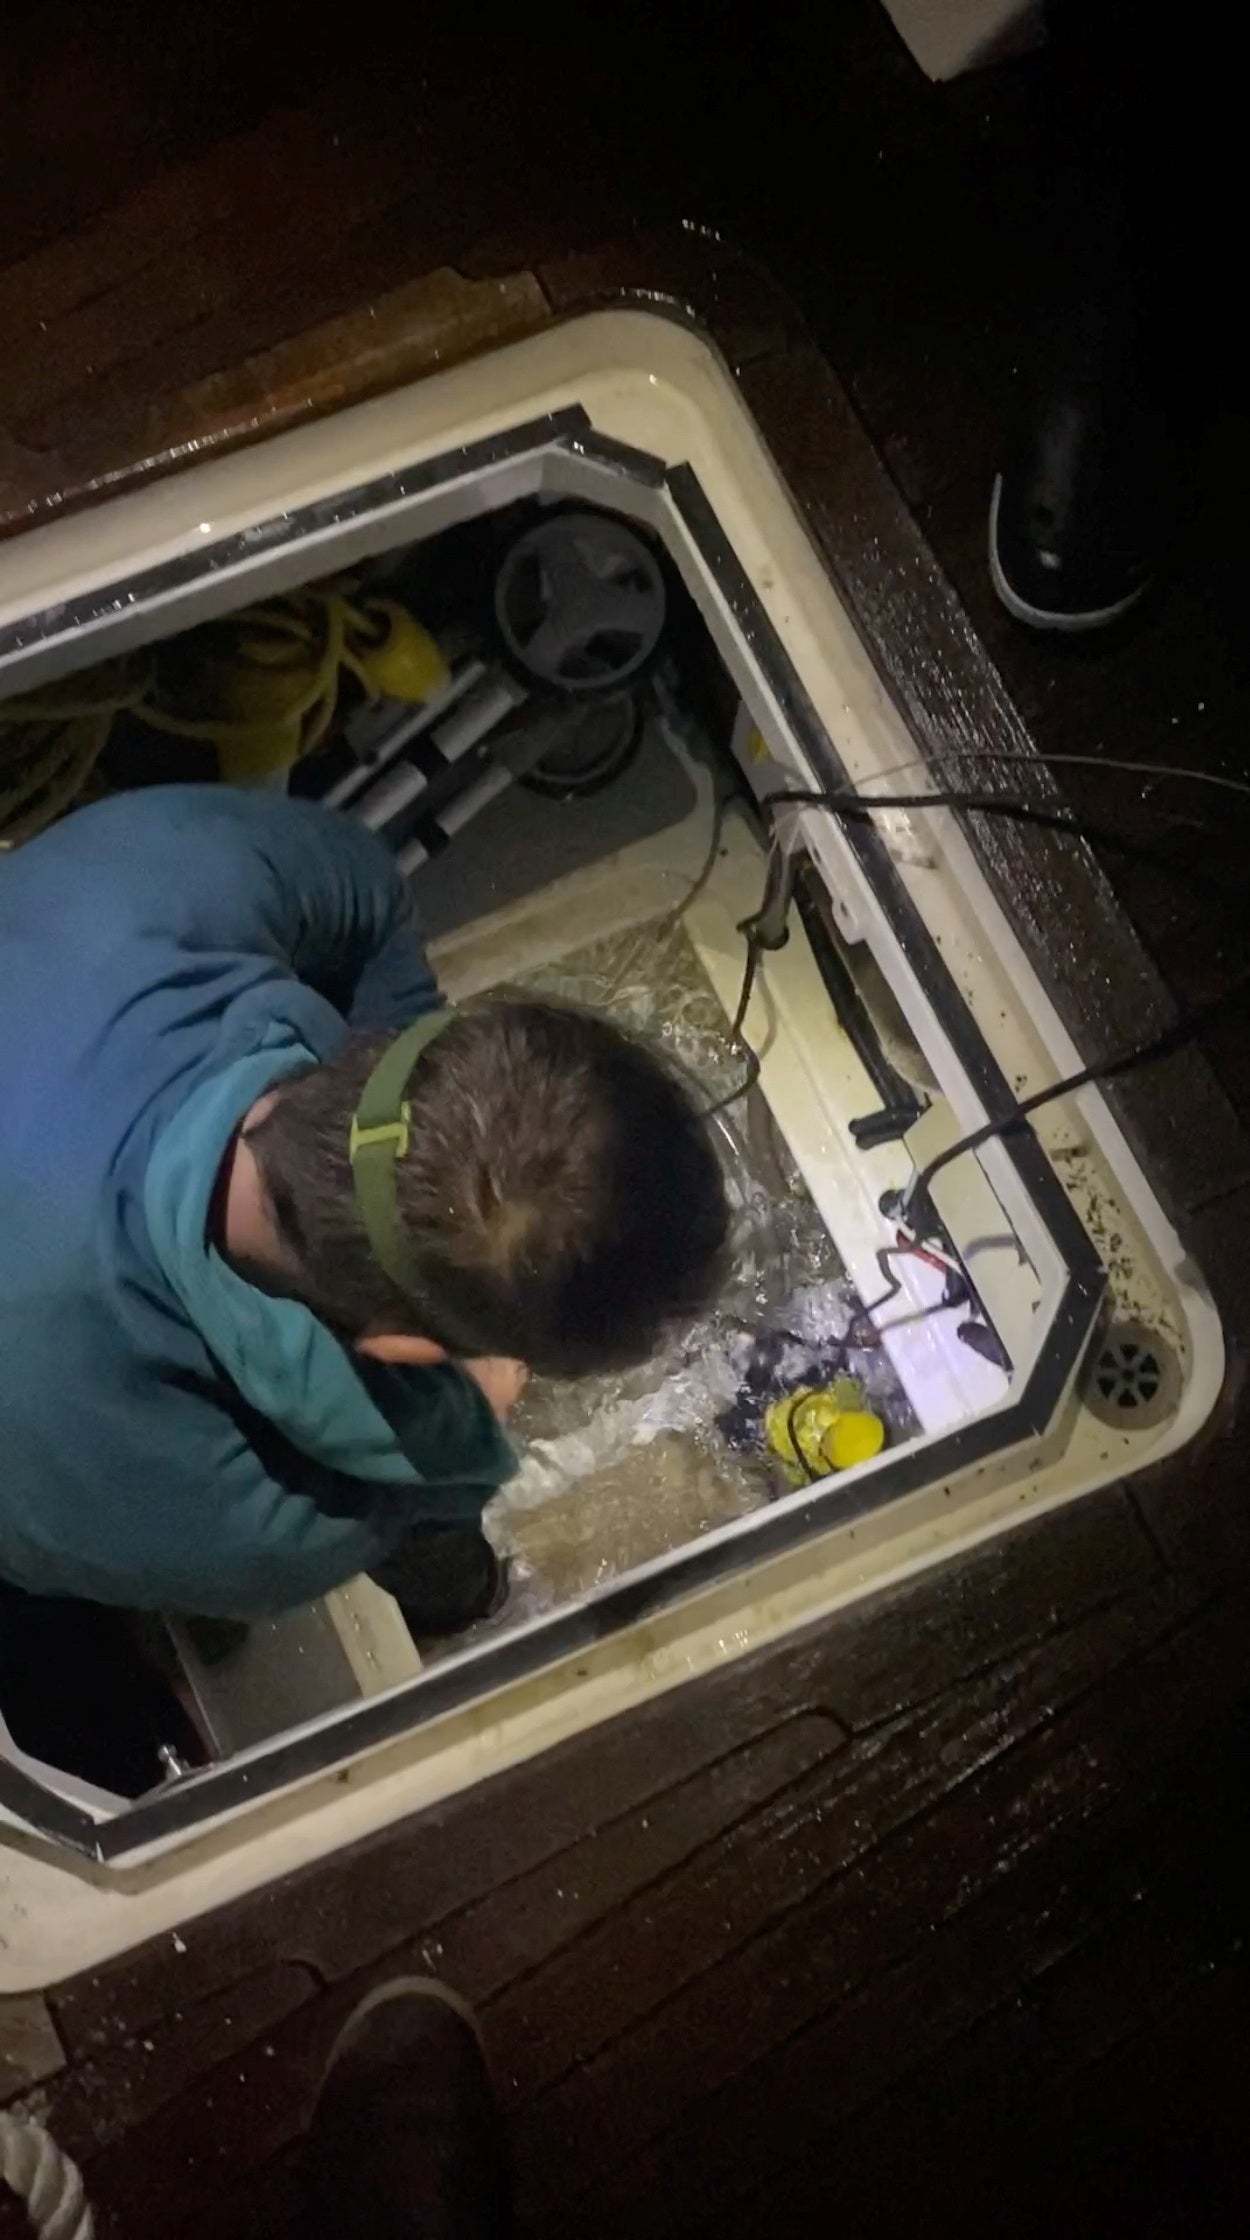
898 1014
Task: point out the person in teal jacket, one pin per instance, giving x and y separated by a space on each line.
278 1230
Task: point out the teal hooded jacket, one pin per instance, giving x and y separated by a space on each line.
171 1437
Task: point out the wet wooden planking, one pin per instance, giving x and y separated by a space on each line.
780 2018
914 1883
1146 2136
776 1863
899 1649
254 2095
1074 1926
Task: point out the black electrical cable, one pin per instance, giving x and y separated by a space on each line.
865 1314
736 1041
1157 772
1174 1038
862 807
799 1400
726 804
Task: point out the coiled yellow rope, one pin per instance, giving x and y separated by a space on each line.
51 741
268 685
261 689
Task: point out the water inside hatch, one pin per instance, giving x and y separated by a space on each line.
618 1470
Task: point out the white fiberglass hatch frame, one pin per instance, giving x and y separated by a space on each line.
635 413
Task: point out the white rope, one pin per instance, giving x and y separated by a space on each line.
42 2176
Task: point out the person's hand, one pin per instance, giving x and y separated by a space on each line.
501 1380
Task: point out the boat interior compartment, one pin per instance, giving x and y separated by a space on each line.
545 681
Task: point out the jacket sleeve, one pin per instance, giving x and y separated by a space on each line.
288 1529
443 1424
276 1548
186 1518
221 869
204 1512
281 1544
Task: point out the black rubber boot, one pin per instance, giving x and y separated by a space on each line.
444 1579
406 2140
1078 512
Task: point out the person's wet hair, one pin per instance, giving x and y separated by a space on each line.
560 1196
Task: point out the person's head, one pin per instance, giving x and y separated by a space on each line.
560 1198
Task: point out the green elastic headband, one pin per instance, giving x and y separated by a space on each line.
379 1137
